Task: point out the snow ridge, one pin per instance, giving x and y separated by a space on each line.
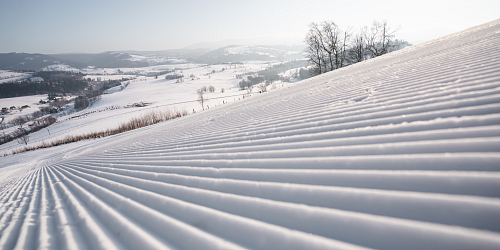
398 152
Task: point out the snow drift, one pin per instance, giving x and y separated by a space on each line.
397 152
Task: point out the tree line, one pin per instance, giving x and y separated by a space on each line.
329 47
56 83
25 88
53 82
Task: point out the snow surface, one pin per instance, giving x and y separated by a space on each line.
31 100
11 76
152 59
132 71
60 67
397 152
109 77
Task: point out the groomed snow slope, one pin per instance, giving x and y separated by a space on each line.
398 152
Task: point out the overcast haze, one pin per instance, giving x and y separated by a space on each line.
57 26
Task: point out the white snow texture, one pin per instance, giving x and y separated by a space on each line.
397 152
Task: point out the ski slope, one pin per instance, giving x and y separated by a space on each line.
397 152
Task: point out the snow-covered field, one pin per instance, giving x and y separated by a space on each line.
132 71
397 152
61 67
152 59
261 50
109 112
109 77
31 100
10 76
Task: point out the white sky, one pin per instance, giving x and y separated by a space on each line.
65 26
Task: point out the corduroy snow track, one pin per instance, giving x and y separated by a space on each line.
397 152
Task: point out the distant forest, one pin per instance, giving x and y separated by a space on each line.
35 62
54 83
25 61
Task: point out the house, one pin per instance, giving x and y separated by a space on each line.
25 107
12 107
5 111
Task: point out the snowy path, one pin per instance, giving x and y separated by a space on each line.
398 152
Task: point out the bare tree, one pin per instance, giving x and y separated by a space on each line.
378 39
201 98
327 46
314 51
357 53
329 38
346 37
24 137
262 88
249 89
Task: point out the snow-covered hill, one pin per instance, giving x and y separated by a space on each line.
397 152
235 53
11 76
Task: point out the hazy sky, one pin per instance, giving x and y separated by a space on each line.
64 26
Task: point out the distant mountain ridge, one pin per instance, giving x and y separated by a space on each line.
134 59
248 42
234 53
25 61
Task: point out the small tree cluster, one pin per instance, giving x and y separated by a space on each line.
124 86
251 82
301 74
211 89
81 102
23 137
37 114
173 77
20 121
329 47
44 110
